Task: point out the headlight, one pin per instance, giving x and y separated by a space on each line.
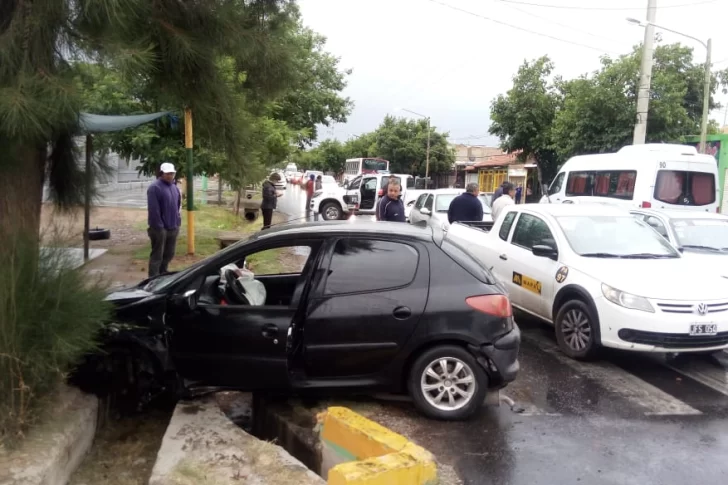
626 300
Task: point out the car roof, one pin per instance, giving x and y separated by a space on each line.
347 229
682 214
556 210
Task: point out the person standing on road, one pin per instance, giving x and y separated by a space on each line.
466 206
319 182
270 199
391 207
509 191
164 202
310 189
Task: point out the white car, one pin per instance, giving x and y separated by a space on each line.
603 278
432 205
702 237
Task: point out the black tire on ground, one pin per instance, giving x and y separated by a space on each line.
331 211
577 330
98 234
462 367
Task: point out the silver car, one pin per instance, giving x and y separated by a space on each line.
432 205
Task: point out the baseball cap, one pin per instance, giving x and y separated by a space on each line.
167 168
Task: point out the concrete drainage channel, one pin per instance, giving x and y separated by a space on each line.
206 443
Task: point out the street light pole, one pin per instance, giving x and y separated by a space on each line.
643 94
708 77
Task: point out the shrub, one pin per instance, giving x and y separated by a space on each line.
50 315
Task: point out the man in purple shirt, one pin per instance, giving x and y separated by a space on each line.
163 205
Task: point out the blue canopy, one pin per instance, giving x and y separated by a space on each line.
91 123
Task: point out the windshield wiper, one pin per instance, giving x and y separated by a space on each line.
648 256
707 248
602 255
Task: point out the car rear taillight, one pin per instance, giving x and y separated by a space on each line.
496 305
646 205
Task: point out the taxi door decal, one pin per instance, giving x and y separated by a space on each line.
527 283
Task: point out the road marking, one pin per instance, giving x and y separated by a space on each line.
621 382
703 372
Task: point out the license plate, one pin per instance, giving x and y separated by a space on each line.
703 329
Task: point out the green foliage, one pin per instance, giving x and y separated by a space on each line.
554 119
524 116
50 316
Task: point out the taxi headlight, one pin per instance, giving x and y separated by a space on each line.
626 300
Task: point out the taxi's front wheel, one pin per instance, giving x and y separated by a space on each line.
577 331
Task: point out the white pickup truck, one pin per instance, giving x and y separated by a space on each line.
602 278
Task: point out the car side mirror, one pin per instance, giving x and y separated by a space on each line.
186 301
545 251
425 211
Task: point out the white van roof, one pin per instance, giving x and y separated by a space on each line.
626 157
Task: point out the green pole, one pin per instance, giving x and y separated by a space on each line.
204 189
190 184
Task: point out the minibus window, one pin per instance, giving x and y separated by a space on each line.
682 187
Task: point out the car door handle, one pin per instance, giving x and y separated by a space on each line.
503 257
270 330
402 313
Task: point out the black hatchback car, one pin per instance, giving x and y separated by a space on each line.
375 307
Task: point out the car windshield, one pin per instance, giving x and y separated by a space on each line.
614 237
704 234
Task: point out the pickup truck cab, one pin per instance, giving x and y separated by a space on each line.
602 278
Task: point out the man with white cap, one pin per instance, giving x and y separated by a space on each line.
163 206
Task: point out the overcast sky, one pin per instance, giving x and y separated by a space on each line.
430 57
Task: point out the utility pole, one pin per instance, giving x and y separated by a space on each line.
643 95
427 152
190 184
706 97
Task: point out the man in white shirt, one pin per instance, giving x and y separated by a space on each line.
509 190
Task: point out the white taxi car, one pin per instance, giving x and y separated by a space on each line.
603 278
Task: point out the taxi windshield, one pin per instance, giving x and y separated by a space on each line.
704 234
614 237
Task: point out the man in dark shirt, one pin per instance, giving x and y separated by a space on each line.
391 207
270 199
163 205
466 206
498 192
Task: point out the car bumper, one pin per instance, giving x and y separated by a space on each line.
622 328
500 359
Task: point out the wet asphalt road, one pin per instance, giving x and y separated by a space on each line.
625 419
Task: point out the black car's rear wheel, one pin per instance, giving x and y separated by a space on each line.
447 383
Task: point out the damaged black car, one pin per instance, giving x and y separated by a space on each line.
316 308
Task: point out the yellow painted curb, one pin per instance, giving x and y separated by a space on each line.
378 456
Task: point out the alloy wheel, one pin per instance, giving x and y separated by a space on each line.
448 383
331 213
576 329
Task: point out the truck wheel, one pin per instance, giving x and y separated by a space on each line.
447 383
577 330
331 211
98 234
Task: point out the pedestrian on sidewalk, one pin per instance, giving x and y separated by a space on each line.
509 191
270 199
466 206
391 207
310 189
498 192
164 202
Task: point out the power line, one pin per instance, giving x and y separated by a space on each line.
500 22
571 7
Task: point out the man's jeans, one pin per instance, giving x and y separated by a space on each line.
164 243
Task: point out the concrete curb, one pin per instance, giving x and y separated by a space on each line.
358 451
202 446
53 451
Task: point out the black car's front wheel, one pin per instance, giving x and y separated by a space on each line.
447 383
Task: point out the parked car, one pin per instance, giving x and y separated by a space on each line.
702 237
432 205
603 278
359 311
658 176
